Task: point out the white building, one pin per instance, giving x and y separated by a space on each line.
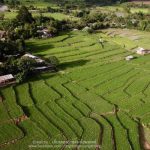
37 59
75 29
142 51
86 28
44 33
7 79
30 56
130 57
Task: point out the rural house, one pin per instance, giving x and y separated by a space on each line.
130 57
45 68
6 80
37 59
142 51
42 65
75 29
44 33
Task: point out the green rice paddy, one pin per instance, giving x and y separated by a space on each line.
95 96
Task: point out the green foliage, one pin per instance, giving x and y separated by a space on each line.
24 16
19 67
96 96
127 9
53 60
9 47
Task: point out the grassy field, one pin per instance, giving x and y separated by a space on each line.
96 95
120 9
57 16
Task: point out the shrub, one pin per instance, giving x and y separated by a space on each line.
53 60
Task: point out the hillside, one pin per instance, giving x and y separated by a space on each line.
74 1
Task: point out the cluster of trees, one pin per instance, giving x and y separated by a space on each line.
99 20
81 13
12 47
20 67
104 2
137 5
10 52
25 26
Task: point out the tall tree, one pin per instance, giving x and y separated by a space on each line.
24 16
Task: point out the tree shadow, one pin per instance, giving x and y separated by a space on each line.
36 48
72 64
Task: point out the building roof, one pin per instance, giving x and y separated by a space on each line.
41 68
6 77
30 56
130 57
85 28
140 49
38 60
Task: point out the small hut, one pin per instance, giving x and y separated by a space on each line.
45 68
44 33
142 51
86 28
6 80
37 59
75 29
129 58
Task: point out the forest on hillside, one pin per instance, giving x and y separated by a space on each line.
73 1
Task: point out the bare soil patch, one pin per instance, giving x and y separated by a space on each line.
144 143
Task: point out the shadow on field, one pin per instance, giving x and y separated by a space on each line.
37 77
34 47
72 64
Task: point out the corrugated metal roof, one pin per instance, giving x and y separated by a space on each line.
29 55
6 77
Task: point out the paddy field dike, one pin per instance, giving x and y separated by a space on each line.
95 96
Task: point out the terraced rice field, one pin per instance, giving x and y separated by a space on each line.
96 96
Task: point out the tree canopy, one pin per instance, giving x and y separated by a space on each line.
24 16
